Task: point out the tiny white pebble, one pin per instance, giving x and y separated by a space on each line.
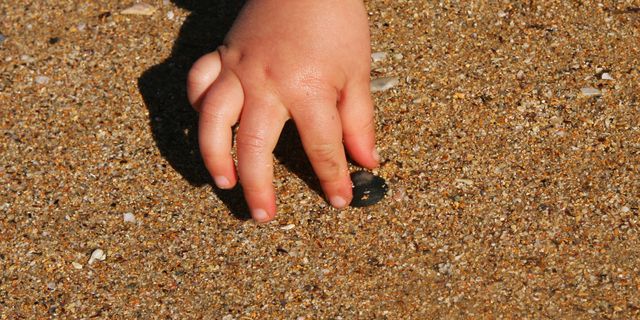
170 15
76 265
382 84
606 76
141 9
590 92
97 254
378 56
51 285
129 217
42 79
27 58
625 209
228 317
288 227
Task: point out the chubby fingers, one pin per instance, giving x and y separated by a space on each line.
320 130
201 76
358 127
219 111
260 126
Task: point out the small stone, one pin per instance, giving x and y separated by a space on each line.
27 58
228 317
171 15
520 75
42 79
81 26
590 92
51 285
378 56
606 76
76 265
140 9
97 254
2 38
368 189
288 227
382 84
129 217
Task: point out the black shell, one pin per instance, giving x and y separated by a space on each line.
368 189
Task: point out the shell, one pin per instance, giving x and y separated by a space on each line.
368 189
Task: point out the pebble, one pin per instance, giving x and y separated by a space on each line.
42 79
140 9
2 38
368 189
590 92
606 76
378 56
27 58
288 227
129 217
382 84
170 15
97 254
51 285
76 265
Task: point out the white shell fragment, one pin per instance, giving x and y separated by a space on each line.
382 84
288 227
590 92
129 217
42 79
140 9
76 265
97 254
606 76
378 56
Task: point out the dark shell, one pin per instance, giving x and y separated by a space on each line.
368 189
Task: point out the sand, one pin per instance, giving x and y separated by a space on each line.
512 193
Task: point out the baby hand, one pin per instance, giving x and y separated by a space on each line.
307 60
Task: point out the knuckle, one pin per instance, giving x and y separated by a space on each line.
251 142
325 152
327 158
211 116
311 89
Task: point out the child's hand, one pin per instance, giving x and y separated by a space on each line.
303 59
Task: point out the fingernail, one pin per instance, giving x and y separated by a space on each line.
376 155
260 215
338 202
222 182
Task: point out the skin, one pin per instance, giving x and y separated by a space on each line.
306 60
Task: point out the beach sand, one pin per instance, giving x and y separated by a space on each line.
511 148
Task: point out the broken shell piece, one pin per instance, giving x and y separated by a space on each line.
590 92
368 189
97 254
140 9
382 84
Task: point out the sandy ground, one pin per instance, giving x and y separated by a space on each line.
512 193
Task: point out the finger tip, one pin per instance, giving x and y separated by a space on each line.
262 216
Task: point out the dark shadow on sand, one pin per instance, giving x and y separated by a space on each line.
175 124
